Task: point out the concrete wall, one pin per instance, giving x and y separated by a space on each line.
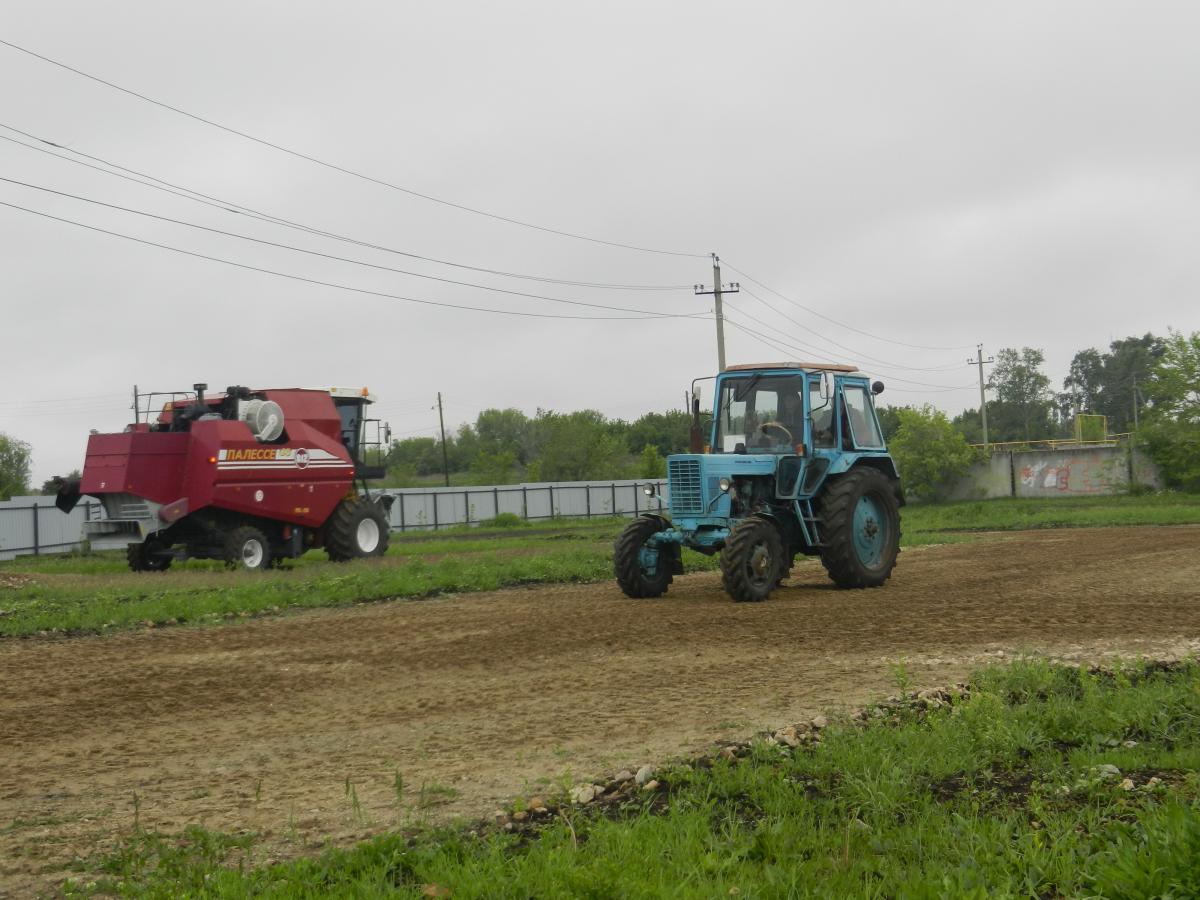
1061 472
985 480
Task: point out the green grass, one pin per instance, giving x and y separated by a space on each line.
96 593
1000 795
90 593
98 602
1055 512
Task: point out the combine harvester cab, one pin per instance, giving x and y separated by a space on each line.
248 476
795 463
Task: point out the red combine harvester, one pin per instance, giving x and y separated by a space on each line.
250 477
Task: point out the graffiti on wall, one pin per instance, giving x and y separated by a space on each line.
1072 473
1043 475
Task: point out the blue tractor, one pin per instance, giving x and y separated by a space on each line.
795 463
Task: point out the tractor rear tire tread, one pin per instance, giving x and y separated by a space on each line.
627 563
341 531
736 560
835 512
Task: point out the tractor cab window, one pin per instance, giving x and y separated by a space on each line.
864 429
824 432
760 414
351 411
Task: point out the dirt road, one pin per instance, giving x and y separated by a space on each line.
263 725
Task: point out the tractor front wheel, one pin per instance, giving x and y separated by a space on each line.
148 556
357 529
752 563
859 529
642 571
247 548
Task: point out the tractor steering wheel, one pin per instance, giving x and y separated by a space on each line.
779 425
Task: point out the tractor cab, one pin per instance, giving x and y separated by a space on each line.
351 404
771 409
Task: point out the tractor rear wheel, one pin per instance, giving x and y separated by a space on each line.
247 548
642 571
148 556
859 529
356 530
752 563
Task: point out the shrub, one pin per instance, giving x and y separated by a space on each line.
930 452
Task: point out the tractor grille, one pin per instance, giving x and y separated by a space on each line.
683 480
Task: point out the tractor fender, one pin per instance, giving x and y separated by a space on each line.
846 462
884 464
663 521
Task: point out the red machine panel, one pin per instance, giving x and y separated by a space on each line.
148 465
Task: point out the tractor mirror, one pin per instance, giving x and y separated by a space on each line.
877 388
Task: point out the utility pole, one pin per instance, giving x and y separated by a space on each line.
982 398
445 457
716 292
1135 403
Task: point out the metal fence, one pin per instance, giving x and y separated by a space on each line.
433 508
33 525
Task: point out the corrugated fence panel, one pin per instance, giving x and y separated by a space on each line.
416 508
54 532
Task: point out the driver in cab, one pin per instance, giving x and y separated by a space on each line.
785 428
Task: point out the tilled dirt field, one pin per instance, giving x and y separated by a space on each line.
296 727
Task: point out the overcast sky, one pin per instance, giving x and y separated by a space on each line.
932 174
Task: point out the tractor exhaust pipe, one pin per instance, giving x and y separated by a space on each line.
695 438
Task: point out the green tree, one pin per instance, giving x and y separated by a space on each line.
1171 434
669 432
1112 384
504 431
577 446
1022 410
889 420
499 467
930 452
651 464
969 423
15 458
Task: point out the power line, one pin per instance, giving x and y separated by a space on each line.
760 338
61 399
853 350
294 249
237 209
814 312
802 347
337 168
940 387
342 287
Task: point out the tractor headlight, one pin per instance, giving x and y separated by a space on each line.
724 484
648 490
